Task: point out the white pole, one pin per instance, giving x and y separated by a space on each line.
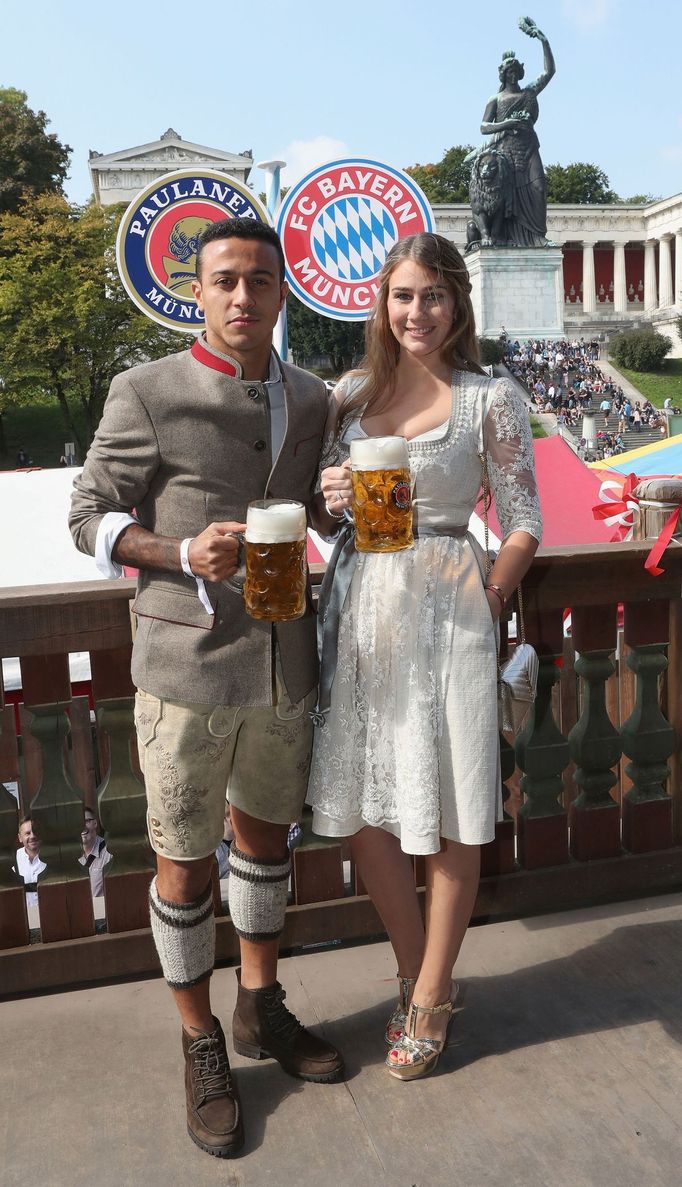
273 201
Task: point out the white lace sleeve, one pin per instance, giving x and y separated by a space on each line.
508 443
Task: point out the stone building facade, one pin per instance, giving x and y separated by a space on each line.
119 176
622 264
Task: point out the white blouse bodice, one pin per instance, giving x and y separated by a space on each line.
446 469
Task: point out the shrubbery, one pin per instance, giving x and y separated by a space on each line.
492 351
639 350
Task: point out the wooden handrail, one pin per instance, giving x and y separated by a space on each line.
560 569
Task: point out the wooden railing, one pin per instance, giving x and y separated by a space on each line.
592 786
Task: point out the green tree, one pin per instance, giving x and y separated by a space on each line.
31 159
67 326
642 199
640 350
579 182
310 333
492 351
448 181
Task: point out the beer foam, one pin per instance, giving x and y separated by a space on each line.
276 524
379 453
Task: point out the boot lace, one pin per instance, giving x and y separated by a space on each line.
210 1068
281 1021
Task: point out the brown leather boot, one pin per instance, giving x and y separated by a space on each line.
262 1026
214 1118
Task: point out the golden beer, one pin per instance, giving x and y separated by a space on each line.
275 548
382 494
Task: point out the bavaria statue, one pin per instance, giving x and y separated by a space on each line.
508 191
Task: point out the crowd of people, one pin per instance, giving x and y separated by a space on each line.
95 856
30 866
563 378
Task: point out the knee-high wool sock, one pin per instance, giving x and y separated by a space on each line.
184 934
257 895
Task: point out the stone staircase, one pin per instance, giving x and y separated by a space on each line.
631 438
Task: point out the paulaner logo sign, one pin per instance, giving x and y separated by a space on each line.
338 225
156 246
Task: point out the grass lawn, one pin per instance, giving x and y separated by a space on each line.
537 428
40 430
658 385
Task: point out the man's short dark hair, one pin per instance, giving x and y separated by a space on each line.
241 228
28 819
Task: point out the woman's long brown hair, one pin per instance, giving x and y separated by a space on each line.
377 371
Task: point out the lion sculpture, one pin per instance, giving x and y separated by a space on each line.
491 193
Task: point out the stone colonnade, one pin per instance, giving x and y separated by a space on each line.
660 290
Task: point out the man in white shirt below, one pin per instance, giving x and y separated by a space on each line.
95 853
28 864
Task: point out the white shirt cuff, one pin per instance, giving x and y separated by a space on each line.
110 528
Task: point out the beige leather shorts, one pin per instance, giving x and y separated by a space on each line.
194 756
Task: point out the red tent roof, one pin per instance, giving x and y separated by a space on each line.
568 492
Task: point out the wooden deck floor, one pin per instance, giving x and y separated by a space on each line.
566 1071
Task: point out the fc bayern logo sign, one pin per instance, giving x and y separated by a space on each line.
338 225
156 247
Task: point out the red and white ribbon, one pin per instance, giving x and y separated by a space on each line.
619 506
623 513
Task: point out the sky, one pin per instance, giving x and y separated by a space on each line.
309 81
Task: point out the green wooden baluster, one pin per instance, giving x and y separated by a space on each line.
13 917
57 806
9 825
648 739
507 755
542 750
507 768
121 799
595 748
594 742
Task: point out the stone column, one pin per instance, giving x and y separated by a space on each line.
620 292
665 276
589 293
678 268
650 295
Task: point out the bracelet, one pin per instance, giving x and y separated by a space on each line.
184 557
333 514
497 590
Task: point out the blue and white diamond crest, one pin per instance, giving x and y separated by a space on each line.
338 225
352 237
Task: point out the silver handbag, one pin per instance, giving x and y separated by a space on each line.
517 677
517 687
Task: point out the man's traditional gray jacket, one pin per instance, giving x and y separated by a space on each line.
187 445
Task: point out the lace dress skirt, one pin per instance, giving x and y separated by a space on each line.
411 741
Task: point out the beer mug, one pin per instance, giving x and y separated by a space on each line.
382 494
275 550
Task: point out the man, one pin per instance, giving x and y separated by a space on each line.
188 442
95 853
28 864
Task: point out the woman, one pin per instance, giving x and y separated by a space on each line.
509 120
407 760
